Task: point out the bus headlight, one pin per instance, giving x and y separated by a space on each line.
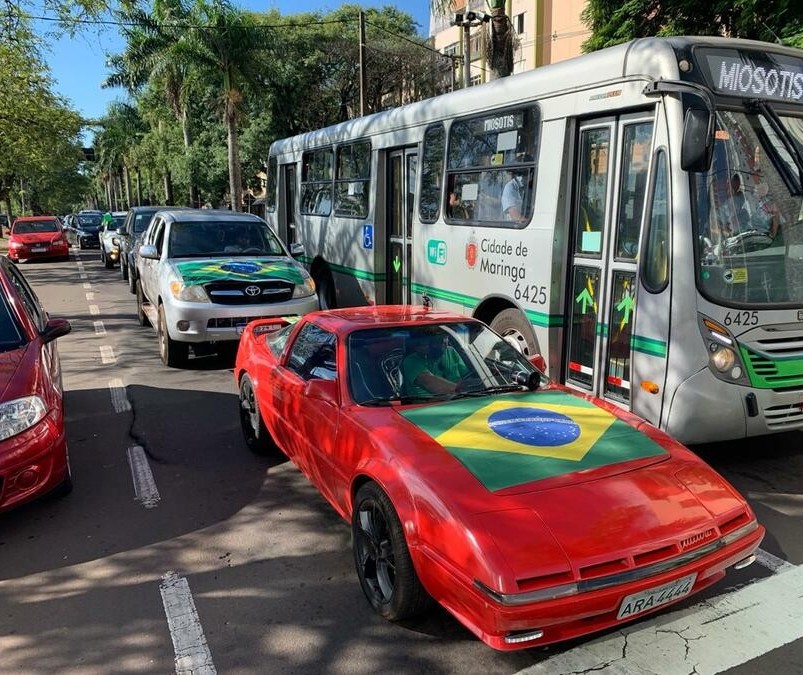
723 359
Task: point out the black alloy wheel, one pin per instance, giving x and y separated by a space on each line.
383 562
255 433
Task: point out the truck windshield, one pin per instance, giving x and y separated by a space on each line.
749 211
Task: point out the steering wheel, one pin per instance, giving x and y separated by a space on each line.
468 382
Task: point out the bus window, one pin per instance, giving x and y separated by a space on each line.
270 187
593 186
635 164
353 180
656 253
487 154
429 204
316 182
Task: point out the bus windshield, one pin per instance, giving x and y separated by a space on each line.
749 211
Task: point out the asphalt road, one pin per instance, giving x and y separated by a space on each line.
180 551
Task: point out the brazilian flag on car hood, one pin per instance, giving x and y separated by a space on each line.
510 440
196 272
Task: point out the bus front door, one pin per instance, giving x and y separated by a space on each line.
402 165
611 168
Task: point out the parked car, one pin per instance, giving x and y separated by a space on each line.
532 512
203 274
4 223
37 238
110 239
33 445
136 222
82 230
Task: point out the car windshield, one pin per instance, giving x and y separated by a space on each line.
381 362
203 239
33 226
11 335
89 222
118 222
141 222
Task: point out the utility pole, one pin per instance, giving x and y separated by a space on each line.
363 84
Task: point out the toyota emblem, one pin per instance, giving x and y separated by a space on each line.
252 291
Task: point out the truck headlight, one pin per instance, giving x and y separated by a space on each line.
20 414
187 293
305 289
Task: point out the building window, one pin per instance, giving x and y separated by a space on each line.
518 23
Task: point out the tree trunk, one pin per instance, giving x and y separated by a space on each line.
168 184
500 59
235 180
139 185
185 128
127 176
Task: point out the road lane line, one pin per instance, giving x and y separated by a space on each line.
83 275
120 401
107 355
189 643
94 310
90 297
144 486
87 286
772 562
708 638
100 329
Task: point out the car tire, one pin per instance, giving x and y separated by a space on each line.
123 270
108 262
80 245
142 318
64 488
512 325
255 433
383 562
173 354
132 282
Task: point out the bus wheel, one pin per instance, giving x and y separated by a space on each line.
512 325
326 291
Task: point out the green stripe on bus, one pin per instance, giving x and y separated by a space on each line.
649 346
376 277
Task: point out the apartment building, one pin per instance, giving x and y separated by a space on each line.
547 31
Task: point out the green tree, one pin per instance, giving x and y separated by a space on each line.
613 21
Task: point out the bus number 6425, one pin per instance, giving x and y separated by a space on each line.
531 293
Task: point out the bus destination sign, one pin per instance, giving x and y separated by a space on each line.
754 74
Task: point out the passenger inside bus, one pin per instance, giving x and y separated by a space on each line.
513 198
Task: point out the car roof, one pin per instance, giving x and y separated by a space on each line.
119 213
30 218
376 316
205 215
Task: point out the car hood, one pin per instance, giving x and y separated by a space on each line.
36 237
12 374
200 271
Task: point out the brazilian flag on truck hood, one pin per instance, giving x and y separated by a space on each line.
511 440
195 272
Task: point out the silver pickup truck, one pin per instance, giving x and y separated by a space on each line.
203 274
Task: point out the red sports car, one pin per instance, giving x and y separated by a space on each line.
530 512
33 445
37 237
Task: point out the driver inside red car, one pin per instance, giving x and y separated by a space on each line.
431 366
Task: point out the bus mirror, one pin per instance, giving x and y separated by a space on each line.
697 149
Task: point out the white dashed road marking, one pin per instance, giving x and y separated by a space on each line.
708 638
94 310
90 297
144 486
189 643
100 329
83 275
120 401
87 286
107 354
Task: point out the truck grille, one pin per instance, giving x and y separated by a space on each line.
249 292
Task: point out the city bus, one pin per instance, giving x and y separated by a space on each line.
633 215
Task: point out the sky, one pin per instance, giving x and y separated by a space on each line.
78 64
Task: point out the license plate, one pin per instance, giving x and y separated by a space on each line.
38 249
638 603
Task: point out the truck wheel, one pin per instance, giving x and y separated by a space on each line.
142 318
173 354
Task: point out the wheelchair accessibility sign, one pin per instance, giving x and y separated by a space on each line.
367 236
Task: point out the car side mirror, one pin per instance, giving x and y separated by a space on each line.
55 328
148 251
323 390
296 249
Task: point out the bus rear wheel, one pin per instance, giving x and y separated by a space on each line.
512 325
326 291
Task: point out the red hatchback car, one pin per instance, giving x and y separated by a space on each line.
33 443
531 512
37 237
